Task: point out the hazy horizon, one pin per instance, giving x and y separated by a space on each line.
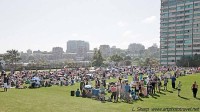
44 24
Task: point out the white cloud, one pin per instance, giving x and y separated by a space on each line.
149 20
122 24
75 35
127 34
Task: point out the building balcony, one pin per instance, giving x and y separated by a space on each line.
163 8
163 63
170 30
173 6
171 54
163 58
180 20
180 15
196 42
196 22
172 10
196 33
188 24
171 58
188 14
187 53
171 34
171 63
180 54
171 39
180 29
163 26
173 20
179 24
180 48
196 12
172 16
179 43
197 17
196 48
188 18
178 5
171 49
178 58
196 53
197 2
188 48
189 3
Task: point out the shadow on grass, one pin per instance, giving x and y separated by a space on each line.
156 95
184 98
145 97
153 97
169 91
197 98
161 93
141 99
1 91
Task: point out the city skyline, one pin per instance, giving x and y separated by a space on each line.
41 25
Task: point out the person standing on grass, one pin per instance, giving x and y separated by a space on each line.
159 85
179 88
102 92
127 90
173 78
194 89
165 83
114 92
82 85
5 83
153 83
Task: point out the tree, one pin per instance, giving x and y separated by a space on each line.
127 62
97 59
189 61
116 58
12 57
151 62
127 58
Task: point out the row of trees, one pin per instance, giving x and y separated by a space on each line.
189 61
126 60
12 57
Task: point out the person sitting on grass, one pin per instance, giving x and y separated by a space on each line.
78 93
89 94
84 93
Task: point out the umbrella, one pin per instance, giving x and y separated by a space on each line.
89 74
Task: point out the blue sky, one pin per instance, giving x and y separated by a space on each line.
43 24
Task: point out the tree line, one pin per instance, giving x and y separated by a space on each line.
189 61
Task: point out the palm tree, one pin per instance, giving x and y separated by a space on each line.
12 57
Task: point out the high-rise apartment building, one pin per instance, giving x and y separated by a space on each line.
179 30
77 46
105 50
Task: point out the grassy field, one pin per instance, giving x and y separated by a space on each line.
58 99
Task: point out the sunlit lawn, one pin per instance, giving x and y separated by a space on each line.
58 99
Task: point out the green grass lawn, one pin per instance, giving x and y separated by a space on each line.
58 99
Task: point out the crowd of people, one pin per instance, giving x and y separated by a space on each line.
145 81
